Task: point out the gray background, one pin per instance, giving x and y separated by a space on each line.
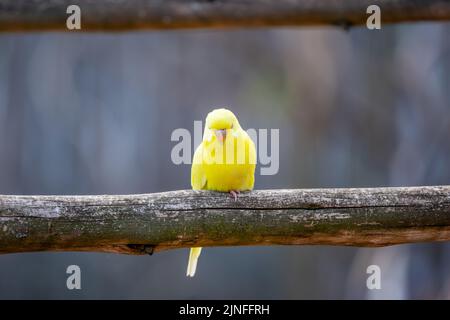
93 114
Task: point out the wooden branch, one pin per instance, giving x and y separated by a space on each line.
121 15
137 224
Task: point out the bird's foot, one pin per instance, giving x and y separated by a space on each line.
234 194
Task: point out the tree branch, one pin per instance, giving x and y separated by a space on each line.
122 15
137 224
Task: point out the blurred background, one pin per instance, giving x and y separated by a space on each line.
93 114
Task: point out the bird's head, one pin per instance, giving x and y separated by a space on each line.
220 123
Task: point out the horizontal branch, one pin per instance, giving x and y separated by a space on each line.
121 15
137 224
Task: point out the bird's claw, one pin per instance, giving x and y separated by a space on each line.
234 194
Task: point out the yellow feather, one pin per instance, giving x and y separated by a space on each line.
224 161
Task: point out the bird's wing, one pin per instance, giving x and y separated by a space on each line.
198 177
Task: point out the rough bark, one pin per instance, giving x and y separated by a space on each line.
137 224
121 15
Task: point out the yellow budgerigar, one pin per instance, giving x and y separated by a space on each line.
225 161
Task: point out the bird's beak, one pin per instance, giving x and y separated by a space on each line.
221 134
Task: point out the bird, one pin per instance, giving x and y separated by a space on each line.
225 161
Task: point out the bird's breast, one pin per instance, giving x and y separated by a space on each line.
227 177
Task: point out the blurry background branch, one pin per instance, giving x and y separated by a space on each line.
116 15
136 224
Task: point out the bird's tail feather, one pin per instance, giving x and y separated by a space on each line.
193 258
